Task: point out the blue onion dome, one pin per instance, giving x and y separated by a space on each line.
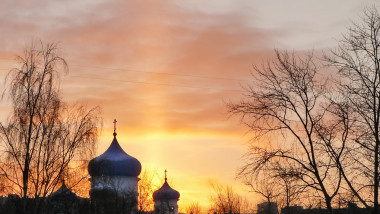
114 162
166 193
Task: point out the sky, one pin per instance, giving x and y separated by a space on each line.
166 69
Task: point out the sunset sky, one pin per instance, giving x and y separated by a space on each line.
165 69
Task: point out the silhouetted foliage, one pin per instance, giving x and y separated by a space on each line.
43 136
113 201
146 189
194 208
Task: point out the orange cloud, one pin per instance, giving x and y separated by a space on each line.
164 69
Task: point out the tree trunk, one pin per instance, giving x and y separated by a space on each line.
376 177
328 205
25 175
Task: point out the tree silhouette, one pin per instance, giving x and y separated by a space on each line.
286 101
357 60
224 200
146 189
44 135
194 208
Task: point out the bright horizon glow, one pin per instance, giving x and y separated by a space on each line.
152 148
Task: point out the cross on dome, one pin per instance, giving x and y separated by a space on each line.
165 192
114 127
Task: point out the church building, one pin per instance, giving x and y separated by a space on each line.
114 183
165 199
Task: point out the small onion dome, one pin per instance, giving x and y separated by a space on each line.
63 191
114 162
166 193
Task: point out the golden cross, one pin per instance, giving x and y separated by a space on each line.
165 175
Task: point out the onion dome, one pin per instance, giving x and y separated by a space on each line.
63 191
166 192
114 162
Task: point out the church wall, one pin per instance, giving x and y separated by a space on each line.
166 207
114 194
119 184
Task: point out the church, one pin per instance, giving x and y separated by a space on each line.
114 184
114 189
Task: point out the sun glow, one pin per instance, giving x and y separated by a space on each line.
191 158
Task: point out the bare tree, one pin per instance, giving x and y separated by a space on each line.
286 101
194 208
225 200
262 182
274 181
289 182
146 189
43 135
358 62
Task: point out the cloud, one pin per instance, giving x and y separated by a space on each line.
162 69
150 41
